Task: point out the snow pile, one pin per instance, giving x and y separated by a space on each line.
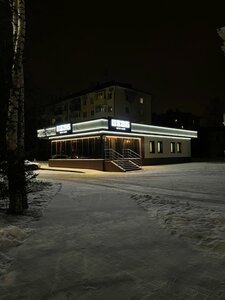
15 229
11 236
204 226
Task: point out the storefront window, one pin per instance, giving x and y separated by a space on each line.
77 148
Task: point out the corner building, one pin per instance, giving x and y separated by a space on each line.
112 144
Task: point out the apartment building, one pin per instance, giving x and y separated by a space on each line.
110 99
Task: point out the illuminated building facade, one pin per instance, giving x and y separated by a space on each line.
112 144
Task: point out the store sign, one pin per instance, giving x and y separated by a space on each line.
64 128
121 125
46 132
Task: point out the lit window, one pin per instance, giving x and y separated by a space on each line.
152 147
172 147
179 147
141 100
160 147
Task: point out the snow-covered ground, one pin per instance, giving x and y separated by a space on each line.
151 234
14 230
202 225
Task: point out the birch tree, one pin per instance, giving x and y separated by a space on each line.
15 121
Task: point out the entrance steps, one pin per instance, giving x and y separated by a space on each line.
129 161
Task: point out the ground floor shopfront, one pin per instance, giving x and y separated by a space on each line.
99 145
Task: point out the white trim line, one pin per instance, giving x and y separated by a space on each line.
117 133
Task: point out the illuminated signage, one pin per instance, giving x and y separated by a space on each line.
64 128
45 132
121 125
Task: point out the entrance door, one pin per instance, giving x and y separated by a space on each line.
119 144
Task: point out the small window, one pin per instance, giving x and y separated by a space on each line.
110 109
178 147
152 147
84 101
141 100
92 113
85 114
92 101
172 147
160 147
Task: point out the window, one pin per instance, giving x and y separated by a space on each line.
92 101
100 95
178 147
152 147
172 147
109 95
101 108
84 114
110 109
92 113
160 147
141 100
84 101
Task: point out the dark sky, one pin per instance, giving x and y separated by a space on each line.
170 51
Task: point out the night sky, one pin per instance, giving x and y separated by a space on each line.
173 52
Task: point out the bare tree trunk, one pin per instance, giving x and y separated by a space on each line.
15 123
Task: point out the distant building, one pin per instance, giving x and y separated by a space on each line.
111 99
176 119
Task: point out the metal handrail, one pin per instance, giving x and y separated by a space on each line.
112 154
131 153
119 159
133 156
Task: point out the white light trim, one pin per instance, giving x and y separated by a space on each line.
121 137
90 125
166 133
160 127
117 133
91 121
79 138
73 135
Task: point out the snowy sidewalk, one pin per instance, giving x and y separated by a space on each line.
96 243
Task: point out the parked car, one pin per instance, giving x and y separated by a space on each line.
31 165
